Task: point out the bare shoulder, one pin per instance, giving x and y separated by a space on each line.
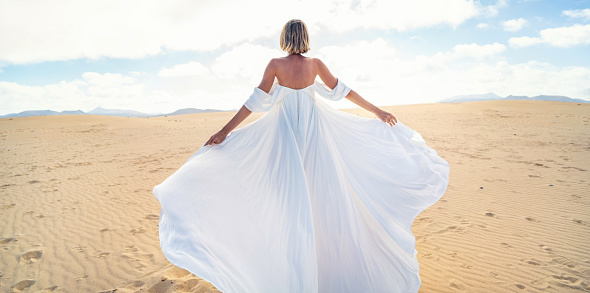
317 61
273 61
274 64
319 65
277 62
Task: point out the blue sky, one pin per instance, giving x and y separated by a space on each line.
159 56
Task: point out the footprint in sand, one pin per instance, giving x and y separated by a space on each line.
152 217
102 255
570 282
564 261
533 262
506 245
451 228
8 206
163 286
575 168
29 257
7 240
456 285
23 285
431 257
466 266
546 248
570 279
424 220
8 243
177 280
541 284
137 230
140 260
80 248
49 289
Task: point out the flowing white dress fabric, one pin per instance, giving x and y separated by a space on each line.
305 199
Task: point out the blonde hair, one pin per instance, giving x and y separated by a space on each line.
294 37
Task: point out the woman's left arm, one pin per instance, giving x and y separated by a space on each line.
382 115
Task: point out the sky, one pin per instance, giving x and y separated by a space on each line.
160 56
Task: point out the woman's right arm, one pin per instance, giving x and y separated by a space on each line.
220 136
267 80
331 81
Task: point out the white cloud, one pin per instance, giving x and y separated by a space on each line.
514 25
564 37
478 51
107 79
578 13
524 41
530 78
399 15
461 52
567 36
70 29
483 25
190 69
376 71
384 79
244 61
492 10
109 90
15 97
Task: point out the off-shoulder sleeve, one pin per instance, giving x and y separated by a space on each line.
337 93
260 101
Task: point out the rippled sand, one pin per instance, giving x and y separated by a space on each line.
78 214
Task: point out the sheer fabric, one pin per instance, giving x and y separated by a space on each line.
305 199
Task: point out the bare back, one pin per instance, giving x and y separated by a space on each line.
296 72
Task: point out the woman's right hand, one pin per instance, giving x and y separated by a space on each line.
217 138
386 117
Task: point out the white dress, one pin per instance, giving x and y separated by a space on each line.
305 199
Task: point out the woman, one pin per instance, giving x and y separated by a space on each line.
306 198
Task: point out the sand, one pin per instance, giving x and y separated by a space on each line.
78 214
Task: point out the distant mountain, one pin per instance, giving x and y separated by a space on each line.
191 111
492 96
511 97
42 113
558 99
471 98
109 112
118 112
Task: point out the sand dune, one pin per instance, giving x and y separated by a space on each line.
78 214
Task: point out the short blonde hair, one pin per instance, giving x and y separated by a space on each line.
294 37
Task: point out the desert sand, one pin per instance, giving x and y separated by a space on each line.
78 214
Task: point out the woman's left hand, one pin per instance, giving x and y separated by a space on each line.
386 117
